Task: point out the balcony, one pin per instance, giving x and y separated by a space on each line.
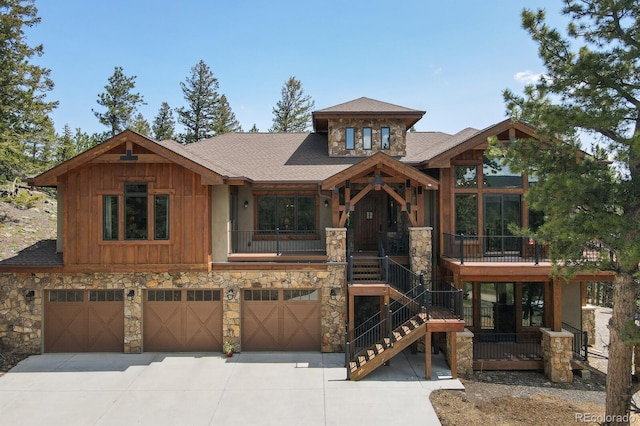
494 248
278 245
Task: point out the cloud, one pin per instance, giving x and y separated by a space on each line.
527 77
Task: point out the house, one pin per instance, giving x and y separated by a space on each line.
359 237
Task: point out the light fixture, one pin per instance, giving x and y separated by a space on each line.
29 295
332 294
246 204
230 294
130 295
326 203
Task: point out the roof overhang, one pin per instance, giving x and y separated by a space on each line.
385 164
100 153
321 118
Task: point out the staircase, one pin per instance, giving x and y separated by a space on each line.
379 353
402 322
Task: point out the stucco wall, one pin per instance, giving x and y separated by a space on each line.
220 206
572 304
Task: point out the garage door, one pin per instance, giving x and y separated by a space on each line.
183 321
281 320
84 321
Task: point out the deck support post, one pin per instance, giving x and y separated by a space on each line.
427 354
453 336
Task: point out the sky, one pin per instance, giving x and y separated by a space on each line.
450 59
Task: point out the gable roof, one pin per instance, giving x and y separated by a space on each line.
169 150
364 107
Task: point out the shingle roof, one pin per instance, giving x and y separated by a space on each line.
422 147
367 105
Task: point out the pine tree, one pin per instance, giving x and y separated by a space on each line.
292 113
65 145
164 125
119 100
591 203
254 129
225 121
140 125
23 88
83 141
200 92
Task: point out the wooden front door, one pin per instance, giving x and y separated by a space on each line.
369 219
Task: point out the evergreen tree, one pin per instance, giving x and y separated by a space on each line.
200 92
84 141
65 145
140 125
292 113
225 121
591 203
164 125
120 102
254 129
23 88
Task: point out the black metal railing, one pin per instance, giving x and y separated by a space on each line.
523 346
580 342
493 248
278 241
443 297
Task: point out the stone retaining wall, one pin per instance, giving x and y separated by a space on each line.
464 352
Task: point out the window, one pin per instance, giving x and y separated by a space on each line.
497 175
287 212
366 138
385 134
350 138
106 295
164 295
466 177
134 215
466 214
467 303
161 217
533 304
261 295
203 295
300 295
110 215
66 296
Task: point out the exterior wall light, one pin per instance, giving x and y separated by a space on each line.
230 294
246 204
332 294
130 295
29 295
326 203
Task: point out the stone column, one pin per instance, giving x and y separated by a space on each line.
334 291
420 250
589 323
464 352
231 317
557 352
133 320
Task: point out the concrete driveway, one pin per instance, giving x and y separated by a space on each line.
252 388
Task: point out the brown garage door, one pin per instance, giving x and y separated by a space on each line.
84 321
281 320
183 321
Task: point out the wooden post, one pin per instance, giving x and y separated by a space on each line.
556 321
454 354
427 355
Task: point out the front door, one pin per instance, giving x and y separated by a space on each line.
369 219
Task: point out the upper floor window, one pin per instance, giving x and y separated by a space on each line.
366 138
350 138
385 134
466 176
135 214
286 212
497 175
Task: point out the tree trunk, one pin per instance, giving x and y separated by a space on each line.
620 353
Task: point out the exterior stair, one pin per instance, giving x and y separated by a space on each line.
382 351
366 270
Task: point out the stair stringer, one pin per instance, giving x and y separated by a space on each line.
380 358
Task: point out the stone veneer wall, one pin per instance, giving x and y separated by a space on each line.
557 352
337 138
22 321
589 323
420 250
464 352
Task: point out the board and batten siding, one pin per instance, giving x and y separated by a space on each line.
189 241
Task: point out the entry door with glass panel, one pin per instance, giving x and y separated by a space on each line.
500 211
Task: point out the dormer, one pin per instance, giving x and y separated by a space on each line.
364 126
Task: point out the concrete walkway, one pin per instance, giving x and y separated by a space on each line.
210 389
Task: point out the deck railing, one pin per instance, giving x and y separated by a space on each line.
278 241
489 345
580 342
493 248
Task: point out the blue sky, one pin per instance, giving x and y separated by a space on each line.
452 59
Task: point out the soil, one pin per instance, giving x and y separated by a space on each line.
20 228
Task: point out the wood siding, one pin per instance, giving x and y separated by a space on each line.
189 241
